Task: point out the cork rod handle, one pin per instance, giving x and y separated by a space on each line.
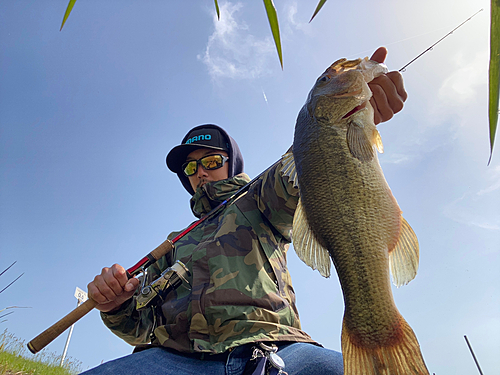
51 333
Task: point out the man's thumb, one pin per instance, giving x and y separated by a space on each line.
131 285
379 55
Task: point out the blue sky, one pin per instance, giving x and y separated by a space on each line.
88 114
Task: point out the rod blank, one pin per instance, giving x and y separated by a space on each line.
473 355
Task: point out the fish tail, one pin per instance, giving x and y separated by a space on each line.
401 356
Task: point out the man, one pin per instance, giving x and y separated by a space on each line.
241 293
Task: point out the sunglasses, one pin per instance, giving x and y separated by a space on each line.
208 163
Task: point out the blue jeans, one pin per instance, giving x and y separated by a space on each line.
299 358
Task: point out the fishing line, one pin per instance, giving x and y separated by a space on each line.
431 47
396 42
417 36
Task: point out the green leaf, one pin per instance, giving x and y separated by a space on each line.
68 11
273 22
494 83
216 9
320 5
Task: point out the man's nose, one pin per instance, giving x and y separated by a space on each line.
201 172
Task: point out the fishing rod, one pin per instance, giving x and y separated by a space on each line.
473 355
431 47
54 331
51 333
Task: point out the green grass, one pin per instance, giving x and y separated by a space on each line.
16 359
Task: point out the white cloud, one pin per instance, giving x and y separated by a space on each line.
396 158
495 184
461 211
232 51
292 22
462 84
478 209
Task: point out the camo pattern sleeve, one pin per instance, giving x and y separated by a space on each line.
129 324
277 199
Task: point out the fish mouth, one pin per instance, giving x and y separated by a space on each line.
354 110
346 94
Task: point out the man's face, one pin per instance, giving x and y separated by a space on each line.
202 176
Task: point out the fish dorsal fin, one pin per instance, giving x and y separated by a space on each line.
360 146
307 247
288 168
403 259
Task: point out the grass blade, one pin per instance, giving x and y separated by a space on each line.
68 11
5 270
275 29
320 5
494 80
11 282
217 9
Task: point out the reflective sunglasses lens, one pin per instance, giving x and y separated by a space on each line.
212 162
190 168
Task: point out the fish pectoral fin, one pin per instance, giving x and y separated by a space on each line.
360 146
307 247
288 168
404 258
377 140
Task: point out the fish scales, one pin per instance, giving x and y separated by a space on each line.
343 207
348 206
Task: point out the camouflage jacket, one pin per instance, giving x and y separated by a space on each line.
241 290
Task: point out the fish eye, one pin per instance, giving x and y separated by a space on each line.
324 79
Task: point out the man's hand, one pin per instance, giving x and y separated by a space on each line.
111 288
388 91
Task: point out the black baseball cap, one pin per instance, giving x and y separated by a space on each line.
203 136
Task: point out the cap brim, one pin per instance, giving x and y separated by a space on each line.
177 156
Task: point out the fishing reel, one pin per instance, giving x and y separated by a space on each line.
172 278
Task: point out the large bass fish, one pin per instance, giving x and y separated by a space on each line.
347 212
